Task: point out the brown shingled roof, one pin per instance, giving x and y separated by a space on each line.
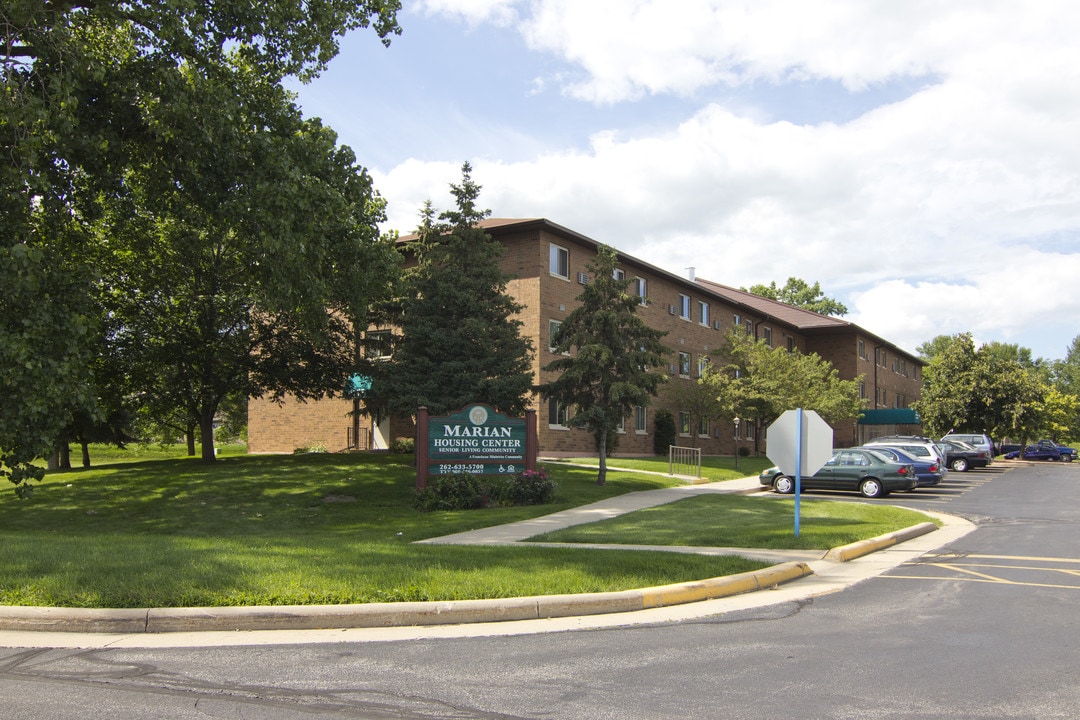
790 314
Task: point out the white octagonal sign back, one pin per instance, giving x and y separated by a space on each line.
816 441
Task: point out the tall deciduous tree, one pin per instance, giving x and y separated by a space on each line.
73 74
612 353
981 390
244 249
762 382
461 339
801 294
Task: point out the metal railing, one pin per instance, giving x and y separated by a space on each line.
687 461
358 441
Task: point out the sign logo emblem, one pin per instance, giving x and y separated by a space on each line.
478 415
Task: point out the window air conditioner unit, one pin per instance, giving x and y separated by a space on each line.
672 309
716 324
583 278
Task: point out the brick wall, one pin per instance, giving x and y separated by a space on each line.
546 297
274 428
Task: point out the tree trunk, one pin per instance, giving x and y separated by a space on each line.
65 456
601 477
85 454
206 433
189 435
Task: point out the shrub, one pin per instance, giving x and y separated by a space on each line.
744 451
664 435
532 487
464 491
403 446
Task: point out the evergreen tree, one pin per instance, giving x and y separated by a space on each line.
608 374
460 340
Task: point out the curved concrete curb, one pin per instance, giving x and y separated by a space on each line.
865 547
312 617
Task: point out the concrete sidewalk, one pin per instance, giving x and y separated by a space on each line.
513 533
818 573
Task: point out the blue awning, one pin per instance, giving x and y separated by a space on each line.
889 416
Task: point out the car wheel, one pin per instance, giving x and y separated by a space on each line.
783 485
872 488
1066 458
959 465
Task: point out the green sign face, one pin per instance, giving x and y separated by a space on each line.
476 440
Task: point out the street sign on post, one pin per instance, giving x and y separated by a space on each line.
799 442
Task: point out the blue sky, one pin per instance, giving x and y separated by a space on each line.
917 159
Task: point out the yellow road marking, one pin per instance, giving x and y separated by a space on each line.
992 580
1032 558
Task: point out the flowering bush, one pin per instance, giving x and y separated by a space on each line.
532 487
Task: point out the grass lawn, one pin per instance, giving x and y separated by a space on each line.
292 529
742 521
300 529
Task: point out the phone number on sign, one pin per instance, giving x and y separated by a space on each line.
459 469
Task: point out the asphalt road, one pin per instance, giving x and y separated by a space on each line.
984 627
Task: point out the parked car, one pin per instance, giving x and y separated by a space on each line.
911 443
960 456
863 469
978 441
1039 452
928 470
1062 449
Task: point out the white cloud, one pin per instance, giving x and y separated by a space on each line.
500 12
954 209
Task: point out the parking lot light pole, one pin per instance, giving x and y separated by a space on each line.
737 443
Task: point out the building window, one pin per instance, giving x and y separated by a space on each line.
641 290
377 344
558 414
639 419
767 333
703 427
862 349
884 397
559 262
684 423
862 391
703 313
684 364
790 344
702 364
618 274
684 306
553 331
749 425
749 327
737 320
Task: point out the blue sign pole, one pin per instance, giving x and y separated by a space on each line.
798 464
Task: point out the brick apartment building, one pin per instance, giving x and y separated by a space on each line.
549 264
